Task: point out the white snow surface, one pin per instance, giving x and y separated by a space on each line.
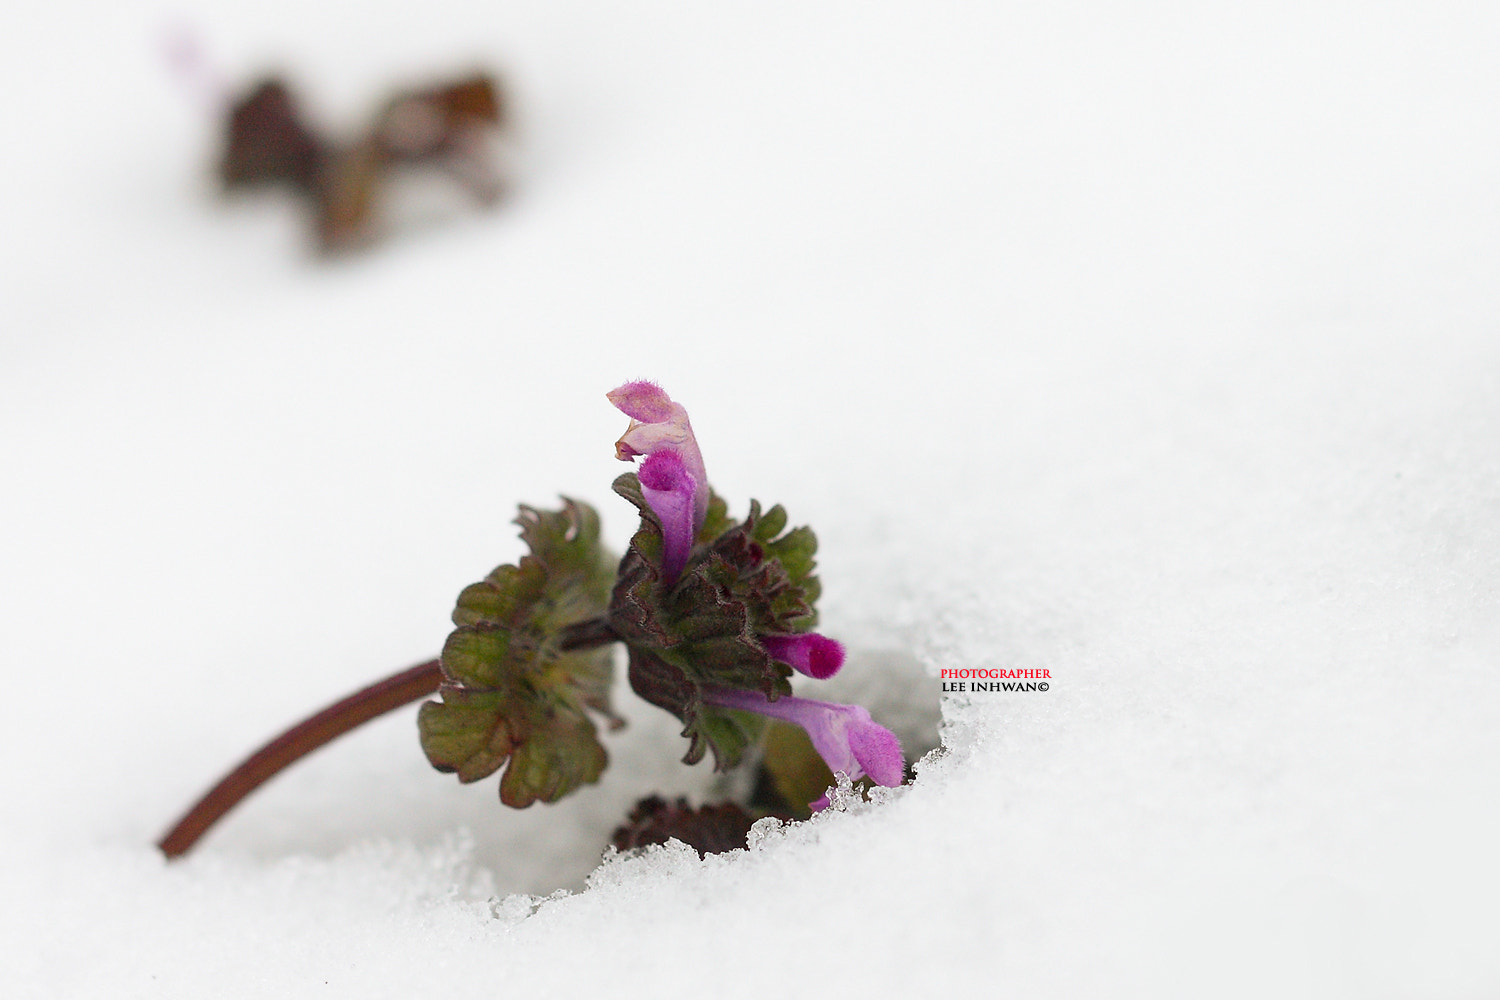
1151 344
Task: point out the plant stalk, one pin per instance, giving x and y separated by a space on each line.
332 722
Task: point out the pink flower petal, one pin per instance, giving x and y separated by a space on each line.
643 401
670 491
845 736
811 654
657 424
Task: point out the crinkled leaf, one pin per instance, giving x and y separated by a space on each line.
707 829
481 657
466 733
743 580
727 733
663 684
560 753
589 674
510 692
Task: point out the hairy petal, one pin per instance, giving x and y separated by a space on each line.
643 401
671 491
845 736
657 424
878 752
812 654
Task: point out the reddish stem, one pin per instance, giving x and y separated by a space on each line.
334 721
296 743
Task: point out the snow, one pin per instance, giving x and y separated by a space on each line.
1153 345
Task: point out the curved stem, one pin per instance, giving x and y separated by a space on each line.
296 743
334 721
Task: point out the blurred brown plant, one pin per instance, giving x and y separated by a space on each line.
448 127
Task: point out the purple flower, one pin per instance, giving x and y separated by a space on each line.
844 735
814 655
656 425
672 477
670 490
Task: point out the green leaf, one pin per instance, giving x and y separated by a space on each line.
716 522
742 580
797 771
559 754
466 733
510 691
727 733
480 657
771 523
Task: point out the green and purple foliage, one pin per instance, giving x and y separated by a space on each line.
716 615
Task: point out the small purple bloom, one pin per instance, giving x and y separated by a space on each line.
844 735
814 655
670 490
656 425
